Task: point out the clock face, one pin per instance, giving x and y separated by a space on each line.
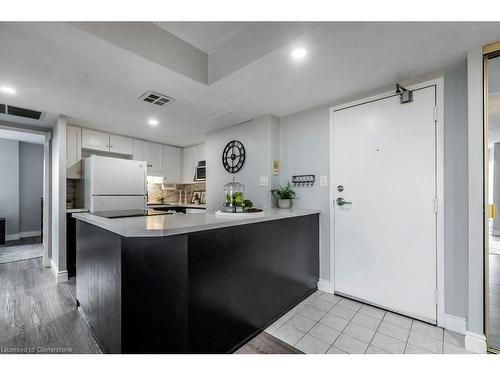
233 156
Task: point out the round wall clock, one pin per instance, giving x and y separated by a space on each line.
233 156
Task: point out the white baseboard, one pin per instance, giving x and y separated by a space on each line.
32 233
475 342
60 276
47 262
325 286
17 236
455 323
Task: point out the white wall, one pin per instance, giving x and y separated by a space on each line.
259 137
475 339
30 186
455 188
58 212
9 186
304 139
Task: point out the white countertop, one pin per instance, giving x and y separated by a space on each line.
75 210
168 225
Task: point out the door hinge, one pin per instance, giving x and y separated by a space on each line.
436 205
435 114
436 296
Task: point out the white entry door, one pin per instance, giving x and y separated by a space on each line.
384 163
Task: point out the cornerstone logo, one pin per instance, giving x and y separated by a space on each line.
35 349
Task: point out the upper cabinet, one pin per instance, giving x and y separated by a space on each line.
99 141
175 164
172 164
94 140
73 152
190 158
121 145
155 158
150 152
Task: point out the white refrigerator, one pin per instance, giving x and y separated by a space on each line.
112 184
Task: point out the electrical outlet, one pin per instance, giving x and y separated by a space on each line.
263 181
323 180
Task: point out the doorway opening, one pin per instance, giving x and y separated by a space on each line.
24 218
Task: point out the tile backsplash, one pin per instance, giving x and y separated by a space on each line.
155 192
74 193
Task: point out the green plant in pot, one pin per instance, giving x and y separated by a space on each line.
284 195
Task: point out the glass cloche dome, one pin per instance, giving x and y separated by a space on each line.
234 196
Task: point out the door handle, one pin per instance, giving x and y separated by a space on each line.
342 201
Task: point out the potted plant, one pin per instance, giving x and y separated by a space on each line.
284 195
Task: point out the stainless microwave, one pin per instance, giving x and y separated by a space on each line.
201 171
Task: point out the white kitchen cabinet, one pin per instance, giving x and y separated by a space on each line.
95 140
121 145
99 141
190 158
73 152
140 150
150 152
189 162
154 153
172 164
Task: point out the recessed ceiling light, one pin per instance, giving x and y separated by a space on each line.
299 53
8 90
153 122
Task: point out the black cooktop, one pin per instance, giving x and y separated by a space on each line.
130 213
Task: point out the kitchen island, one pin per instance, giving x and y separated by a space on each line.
192 283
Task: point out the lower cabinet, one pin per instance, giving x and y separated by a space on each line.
70 245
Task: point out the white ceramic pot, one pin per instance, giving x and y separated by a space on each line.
284 203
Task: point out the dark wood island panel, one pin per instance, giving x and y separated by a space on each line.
200 292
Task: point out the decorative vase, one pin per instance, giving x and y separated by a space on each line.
284 203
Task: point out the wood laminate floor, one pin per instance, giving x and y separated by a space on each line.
23 241
37 315
264 343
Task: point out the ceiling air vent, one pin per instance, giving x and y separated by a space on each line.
156 98
21 112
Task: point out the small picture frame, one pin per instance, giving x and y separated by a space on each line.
196 197
203 197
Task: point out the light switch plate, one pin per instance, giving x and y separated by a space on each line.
264 181
323 180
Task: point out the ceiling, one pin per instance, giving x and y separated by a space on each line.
95 77
206 36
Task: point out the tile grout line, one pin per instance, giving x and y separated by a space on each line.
442 344
408 338
376 331
341 298
298 313
341 332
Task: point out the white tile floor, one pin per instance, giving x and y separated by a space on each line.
326 323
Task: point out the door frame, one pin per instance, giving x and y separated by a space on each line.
46 185
490 50
438 83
